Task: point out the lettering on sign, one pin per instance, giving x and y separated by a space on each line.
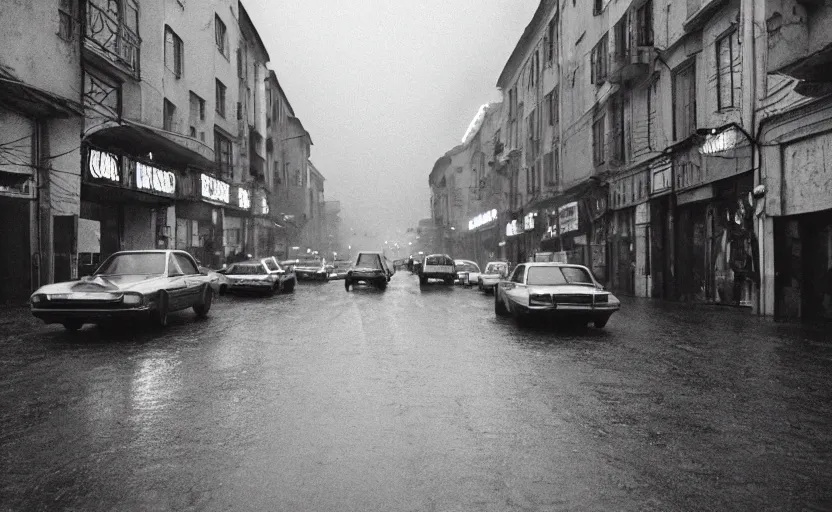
512 229
104 166
568 217
264 205
723 141
157 180
528 221
482 219
214 189
243 199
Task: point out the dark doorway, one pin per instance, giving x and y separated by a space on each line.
15 258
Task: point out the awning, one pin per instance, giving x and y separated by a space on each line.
171 149
34 101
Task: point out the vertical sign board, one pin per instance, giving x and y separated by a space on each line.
568 217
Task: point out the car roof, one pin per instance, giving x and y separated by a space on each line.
552 264
467 261
437 254
369 252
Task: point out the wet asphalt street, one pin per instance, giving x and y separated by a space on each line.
415 399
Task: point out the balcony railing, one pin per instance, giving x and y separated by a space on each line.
111 38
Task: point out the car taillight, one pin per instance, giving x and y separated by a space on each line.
540 300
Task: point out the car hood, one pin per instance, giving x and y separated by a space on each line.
105 284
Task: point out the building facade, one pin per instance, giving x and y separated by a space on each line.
677 149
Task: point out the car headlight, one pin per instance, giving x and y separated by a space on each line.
132 299
38 298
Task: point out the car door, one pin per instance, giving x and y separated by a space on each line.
176 288
514 288
193 281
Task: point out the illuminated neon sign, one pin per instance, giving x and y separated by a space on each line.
243 199
104 166
482 219
156 180
214 189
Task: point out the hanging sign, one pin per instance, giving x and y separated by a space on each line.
568 217
482 219
104 166
528 221
214 189
264 205
156 180
243 198
512 228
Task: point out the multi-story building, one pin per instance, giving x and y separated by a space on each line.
313 231
332 235
40 119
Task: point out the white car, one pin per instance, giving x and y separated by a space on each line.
494 271
563 291
437 266
467 267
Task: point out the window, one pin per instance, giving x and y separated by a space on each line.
66 15
223 154
651 114
552 107
598 60
298 178
197 107
684 101
169 111
221 35
174 52
617 129
550 55
598 156
518 274
549 168
192 132
728 63
597 7
644 24
186 265
220 98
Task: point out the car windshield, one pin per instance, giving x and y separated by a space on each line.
495 268
247 270
546 276
134 264
438 260
368 261
272 265
466 266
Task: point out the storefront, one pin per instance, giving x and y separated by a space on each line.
484 234
661 228
124 206
797 226
569 224
715 242
513 241
629 232
265 234
199 217
238 230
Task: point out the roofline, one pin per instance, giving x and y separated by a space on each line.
522 44
273 76
298 121
245 17
315 170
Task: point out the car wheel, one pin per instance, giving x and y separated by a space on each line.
499 307
381 284
449 281
347 284
274 288
73 325
521 319
202 309
223 289
600 323
162 311
423 280
289 287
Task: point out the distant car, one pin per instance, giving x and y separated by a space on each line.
370 268
129 284
467 267
311 270
564 291
494 271
219 283
262 276
437 266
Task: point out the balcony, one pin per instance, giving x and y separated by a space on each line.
633 52
799 42
631 65
110 43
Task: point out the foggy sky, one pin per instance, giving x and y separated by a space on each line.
385 88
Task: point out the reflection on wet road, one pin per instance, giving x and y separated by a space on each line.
415 399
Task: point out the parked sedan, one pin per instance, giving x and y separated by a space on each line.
494 271
129 284
263 276
468 267
218 281
563 291
311 270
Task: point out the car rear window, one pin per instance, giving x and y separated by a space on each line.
438 260
467 266
368 261
271 265
495 268
546 276
247 270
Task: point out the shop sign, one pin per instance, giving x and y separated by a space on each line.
719 142
214 189
243 198
568 217
482 219
156 180
512 228
264 205
104 166
661 176
528 221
